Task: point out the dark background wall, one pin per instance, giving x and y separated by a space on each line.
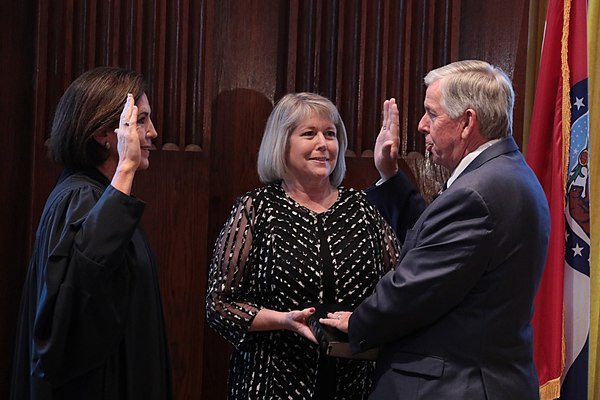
215 68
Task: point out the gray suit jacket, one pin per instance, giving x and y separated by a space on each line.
453 320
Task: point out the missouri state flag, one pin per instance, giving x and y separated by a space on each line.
558 152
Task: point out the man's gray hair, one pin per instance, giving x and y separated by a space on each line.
478 85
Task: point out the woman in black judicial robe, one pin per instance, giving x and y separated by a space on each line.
91 323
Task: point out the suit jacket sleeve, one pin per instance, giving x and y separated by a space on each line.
398 201
443 258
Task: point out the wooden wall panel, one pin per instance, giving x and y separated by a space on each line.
215 68
163 39
497 32
359 53
17 43
247 59
176 222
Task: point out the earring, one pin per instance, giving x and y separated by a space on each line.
107 145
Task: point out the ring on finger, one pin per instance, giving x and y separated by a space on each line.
126 124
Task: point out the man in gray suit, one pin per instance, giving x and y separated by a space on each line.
453 320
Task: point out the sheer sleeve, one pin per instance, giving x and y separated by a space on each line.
229 306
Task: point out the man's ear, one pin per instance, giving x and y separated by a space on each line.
469 122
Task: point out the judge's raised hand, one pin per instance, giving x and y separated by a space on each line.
128 147
128 138
388 141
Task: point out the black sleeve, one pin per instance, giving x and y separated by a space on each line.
83 281
398 201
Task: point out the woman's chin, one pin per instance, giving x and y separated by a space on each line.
144 165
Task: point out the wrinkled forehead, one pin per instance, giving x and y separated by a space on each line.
433 95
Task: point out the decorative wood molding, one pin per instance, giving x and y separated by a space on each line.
360 53
162 39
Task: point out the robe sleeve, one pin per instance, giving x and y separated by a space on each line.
83 280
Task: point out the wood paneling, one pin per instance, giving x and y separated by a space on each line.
215 68
247 43
497 33
17 43
359 53
176 222
163 39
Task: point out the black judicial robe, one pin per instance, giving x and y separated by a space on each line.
91 323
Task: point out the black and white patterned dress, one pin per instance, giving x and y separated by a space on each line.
269 254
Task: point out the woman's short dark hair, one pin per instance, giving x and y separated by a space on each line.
92 104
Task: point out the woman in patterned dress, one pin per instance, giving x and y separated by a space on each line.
278 247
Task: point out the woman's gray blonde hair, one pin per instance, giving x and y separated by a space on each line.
288 113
